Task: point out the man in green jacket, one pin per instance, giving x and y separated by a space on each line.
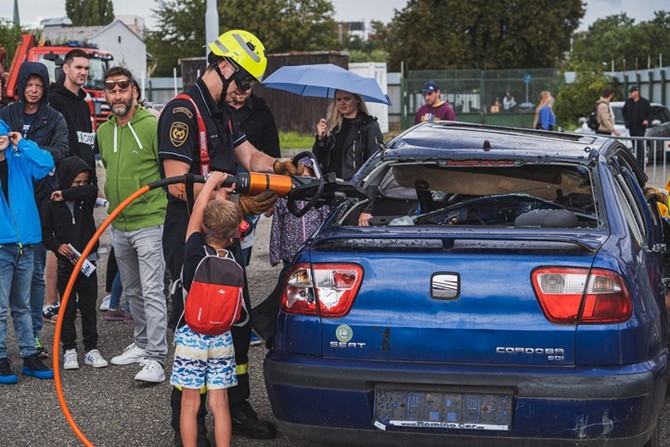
129 151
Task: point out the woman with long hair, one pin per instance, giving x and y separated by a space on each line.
544 116
348 137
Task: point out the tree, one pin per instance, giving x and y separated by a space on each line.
90 12
448 34
282 26
617 40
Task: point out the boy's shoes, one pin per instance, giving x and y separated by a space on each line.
7 377
70 359
115 315
152 371
33 366
128 318
104 305
41 350
132 354
94 359
255 340
50 312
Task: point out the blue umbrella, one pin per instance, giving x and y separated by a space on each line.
321 81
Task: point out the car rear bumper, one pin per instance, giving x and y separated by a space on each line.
331 402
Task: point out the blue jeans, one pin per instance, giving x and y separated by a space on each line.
115 296
38 286
16 271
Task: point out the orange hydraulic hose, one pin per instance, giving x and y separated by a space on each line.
59 322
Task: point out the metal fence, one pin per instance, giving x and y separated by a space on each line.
473 92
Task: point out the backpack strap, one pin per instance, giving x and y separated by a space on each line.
202 136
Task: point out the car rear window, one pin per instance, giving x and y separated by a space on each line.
474 194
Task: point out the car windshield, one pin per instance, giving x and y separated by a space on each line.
475 193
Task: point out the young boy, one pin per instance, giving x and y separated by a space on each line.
20 165
206 359
68 225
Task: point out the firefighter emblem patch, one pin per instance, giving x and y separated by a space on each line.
178 133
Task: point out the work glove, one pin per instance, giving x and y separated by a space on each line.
659 194
259 203
286 167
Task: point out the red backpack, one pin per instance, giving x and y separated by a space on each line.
215 302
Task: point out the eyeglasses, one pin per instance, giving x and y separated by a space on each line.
122 83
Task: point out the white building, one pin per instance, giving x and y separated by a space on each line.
117 38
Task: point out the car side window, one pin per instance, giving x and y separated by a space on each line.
631 213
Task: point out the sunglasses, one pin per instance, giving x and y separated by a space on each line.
122 83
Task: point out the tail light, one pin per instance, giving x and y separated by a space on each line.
576 295
321 289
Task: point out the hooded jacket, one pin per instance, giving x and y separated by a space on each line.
130 156
19 219
48 129
77 115
70 221
359 145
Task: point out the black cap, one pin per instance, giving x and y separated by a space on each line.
633 88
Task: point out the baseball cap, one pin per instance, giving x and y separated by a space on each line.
4 129
633 88
430 87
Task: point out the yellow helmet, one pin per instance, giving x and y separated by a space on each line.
244 49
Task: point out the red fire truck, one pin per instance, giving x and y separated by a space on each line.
52 56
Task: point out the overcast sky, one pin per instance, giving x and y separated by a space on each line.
32 11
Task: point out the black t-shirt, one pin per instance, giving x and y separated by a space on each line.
338 150
178 133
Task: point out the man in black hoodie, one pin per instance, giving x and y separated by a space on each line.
35 120
69 98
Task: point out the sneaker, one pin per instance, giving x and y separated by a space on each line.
128 318
42 352
70 359
50 312
132 354
7 377
246 423
255 340
33 366
94 359
152 371
104 305
115 315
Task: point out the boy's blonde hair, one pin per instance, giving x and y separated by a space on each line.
221 220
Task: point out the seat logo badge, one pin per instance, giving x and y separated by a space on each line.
445 286
344 334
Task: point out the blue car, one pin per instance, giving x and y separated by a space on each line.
508 291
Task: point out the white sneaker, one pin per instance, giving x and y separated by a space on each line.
104 305
70 359
132 354
94 359
152 371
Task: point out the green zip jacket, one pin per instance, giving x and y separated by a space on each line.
130 156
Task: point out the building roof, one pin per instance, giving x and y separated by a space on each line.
84 33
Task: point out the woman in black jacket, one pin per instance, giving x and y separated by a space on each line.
348 138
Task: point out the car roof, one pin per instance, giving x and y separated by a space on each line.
429 140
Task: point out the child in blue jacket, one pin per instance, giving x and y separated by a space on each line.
21 163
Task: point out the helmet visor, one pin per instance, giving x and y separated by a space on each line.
241 77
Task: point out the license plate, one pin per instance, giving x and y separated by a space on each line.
442 409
